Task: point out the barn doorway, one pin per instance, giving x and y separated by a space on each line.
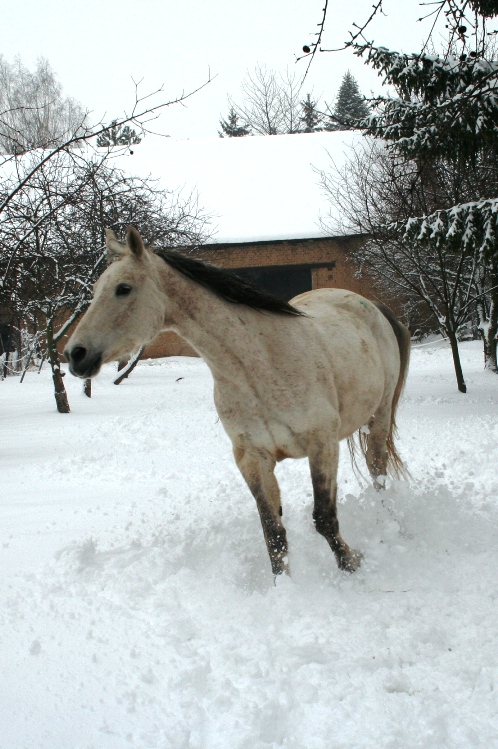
284 281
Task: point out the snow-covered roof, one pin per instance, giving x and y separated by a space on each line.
256 187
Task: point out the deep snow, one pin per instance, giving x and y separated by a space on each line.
138 607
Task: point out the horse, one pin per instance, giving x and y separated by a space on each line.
291 379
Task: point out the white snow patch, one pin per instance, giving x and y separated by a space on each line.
137 601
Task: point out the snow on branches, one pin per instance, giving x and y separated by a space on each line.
447 106
52 237
471 226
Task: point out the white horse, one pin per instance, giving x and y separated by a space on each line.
290 379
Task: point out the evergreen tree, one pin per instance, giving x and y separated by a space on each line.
349 107
231 128
311 120
118 135
445 116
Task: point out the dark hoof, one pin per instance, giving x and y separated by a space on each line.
350 562
280 567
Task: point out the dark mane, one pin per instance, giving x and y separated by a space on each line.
226 284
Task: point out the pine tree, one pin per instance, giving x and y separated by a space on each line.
118 135
311 120
445 116
350 106
231 128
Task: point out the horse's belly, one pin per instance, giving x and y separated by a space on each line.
282 435
280 440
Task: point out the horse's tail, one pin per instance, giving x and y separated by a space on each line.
395 465
394 462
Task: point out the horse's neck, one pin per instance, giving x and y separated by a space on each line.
219 331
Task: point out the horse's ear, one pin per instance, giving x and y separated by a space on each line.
135 242
114 247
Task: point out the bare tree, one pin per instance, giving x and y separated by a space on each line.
58 259
53 192
291 102
270 102
145 109
380 195
35 113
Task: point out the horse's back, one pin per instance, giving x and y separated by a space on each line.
325 301
350 311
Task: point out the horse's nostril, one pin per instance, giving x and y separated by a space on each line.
78 354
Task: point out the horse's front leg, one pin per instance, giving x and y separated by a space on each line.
257 468
324 460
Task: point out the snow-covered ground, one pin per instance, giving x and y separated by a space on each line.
138 608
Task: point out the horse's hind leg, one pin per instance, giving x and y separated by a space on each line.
323 465
377 453
257 468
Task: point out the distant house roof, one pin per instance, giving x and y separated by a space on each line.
257 188
276 242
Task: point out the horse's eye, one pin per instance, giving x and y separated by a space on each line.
123 289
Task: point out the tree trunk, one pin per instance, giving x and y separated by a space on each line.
53 356
5 365
87 388
491 333
17 351
456 359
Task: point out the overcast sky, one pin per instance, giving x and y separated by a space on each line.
96 47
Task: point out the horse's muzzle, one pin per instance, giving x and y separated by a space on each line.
82 363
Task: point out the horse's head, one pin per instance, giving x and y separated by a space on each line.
127 310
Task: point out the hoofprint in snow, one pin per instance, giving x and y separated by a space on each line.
138 607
